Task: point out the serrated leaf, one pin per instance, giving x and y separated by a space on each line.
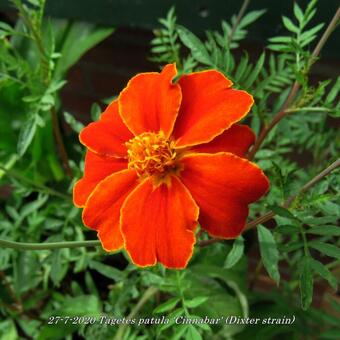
326 249
269 252
166 306
306 283
235 253
195 45
26 135
323 271
195 302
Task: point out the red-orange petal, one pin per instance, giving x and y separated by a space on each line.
102 210
95 170
209 106
158 224
107 136
150 102
223 185
237 140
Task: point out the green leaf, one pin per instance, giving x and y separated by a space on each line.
250 18
287 229
195 45
95 111
298 13
326 230
289 25
107 271
75 125
193 334
306 283
326 248
269 252
256 71
235 253
58 268
8 330
323 271
166 306
77 39
195 302
281 211
26 135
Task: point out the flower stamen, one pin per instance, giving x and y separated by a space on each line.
151 154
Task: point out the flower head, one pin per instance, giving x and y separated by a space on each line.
164 157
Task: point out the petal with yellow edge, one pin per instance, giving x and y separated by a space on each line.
107 137
151 101
158 224
95 170
223 185
237 140
209 106
103 206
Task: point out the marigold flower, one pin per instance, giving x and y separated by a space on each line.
164 157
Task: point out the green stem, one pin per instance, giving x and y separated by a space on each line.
149 293
39 187
181 293
47 245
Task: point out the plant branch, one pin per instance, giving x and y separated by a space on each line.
295 88
269 215
60 144
149 293
238 19
39 187
94 243
47 245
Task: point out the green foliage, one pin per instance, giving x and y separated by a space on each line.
301 243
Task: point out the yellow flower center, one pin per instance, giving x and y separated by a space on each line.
151 154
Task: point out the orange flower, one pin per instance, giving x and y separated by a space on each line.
162 158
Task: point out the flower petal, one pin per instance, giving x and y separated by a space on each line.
209 107
95 170
107 136
150 102
102 208
223 185
237 140
158 224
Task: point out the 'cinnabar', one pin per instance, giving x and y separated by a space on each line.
164 157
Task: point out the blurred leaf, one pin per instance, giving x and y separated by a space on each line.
323 271
107 271
166 306
77 39
75 125
326 249
235 253
8 330
26 135
325 230
269 252
95 112
195 302
193 334
306 283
